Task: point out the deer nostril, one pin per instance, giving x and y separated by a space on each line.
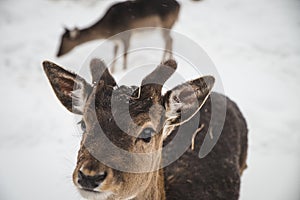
90 182
80 175
100 178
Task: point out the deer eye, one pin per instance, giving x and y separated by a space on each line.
82 125
147 134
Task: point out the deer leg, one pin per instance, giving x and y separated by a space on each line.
126 42
116 48
168 44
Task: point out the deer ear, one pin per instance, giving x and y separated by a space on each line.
66 29
70 89
183 101
74 33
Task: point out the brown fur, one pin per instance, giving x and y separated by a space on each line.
216 176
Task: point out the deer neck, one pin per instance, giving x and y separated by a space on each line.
156 189
95 32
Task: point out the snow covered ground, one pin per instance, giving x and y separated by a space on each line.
255 46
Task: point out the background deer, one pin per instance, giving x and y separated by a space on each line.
149 127
125 16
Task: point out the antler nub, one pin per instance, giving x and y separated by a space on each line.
156 79
161 74
99 72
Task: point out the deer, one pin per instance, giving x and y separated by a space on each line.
126 18
152 121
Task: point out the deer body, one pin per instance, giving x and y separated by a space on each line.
125 16
134 119
216 176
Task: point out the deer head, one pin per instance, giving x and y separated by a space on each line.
133 119
69 40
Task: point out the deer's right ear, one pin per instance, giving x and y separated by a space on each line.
185 100
70 89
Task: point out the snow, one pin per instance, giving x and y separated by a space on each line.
255 46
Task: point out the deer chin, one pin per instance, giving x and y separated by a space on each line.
94 195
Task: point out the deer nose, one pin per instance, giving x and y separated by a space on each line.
90 182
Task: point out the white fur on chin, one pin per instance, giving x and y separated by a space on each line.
95 196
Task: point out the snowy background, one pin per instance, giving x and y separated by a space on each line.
255 46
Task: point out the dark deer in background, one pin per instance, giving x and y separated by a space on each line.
217 176
125 16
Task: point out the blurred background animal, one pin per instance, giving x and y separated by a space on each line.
126 16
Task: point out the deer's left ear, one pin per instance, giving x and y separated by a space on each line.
183 101
70 89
